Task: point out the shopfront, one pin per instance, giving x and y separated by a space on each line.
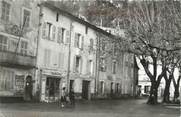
51 85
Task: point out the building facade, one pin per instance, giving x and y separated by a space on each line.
44 49
18 41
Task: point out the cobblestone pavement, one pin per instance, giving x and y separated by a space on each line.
97 108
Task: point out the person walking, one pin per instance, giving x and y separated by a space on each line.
72 96
63 97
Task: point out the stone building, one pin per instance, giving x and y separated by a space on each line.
55 49
18 37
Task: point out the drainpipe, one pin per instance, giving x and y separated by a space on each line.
37 49
97 65
69 56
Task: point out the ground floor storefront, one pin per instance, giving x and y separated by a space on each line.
16 83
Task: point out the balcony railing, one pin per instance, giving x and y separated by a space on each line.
12 59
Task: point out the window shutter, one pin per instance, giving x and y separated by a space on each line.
74 63
82 44
53 32
44 30
67 36
75 40
62 58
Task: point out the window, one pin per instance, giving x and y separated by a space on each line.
77 64
77 40
67 37
102 65
26 17
114 67
114 49
102 87
53 33
47 55
61 60
6 80
24 47
117 87
63 35
59 35
3 42
44 30
57 17
49 25
90 67
5 11
91 44
103 47
146 89
86 30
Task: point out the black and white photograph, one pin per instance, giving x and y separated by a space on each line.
90 58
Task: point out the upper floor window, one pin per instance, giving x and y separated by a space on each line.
53 32
26 17
90 67
114 67
24 47
78 64
91 44
61 35
79 41
47 56
5 11
3 42
102 64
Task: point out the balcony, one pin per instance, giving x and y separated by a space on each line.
15 60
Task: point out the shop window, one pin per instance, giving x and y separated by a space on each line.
5 11
3 42
24 47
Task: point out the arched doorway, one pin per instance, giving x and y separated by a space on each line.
28 88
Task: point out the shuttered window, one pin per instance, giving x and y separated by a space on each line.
47 56
61 60
3 43
24 47
53 32
5 11
67 37
6 80
44 30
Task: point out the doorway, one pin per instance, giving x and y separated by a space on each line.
71 85
85 89
52 87
28 88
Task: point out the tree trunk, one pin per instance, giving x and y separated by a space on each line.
176 92
153 94
166 95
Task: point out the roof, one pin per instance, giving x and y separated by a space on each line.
65 13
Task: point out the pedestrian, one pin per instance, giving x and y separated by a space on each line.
72 96
63 97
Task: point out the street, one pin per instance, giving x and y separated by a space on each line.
95 108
